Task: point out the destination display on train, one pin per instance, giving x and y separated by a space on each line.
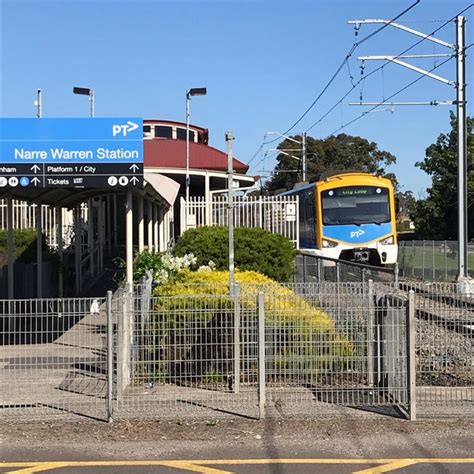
71 152
350 191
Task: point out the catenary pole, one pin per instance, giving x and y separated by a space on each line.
459 49
461 145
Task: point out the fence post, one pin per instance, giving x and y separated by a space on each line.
396 273
433 261
304 269
411 358
370 334
261 355
445 261
110 358
423 261
236 338
363 275
124 346
319 270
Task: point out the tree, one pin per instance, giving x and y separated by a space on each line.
436 216
341 152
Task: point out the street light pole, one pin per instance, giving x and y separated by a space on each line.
229 137
89 93
303 156
38 103
189 94
91 99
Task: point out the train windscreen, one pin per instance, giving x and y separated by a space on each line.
355 205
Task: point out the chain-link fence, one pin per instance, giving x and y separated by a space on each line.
431 260
311 268
303 349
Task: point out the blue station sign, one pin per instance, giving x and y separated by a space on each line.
71 152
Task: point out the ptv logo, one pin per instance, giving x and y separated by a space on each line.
124 129
357 233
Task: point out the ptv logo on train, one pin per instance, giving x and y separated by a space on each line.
357 233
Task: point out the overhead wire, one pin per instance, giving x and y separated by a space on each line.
341 65
363 114
366 76
333 77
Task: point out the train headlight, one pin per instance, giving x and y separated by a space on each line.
327 244
388 241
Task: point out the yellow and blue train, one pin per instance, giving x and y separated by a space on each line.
349 216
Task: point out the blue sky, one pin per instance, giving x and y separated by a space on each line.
263 63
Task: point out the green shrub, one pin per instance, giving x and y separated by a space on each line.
24 247
255 250
146 261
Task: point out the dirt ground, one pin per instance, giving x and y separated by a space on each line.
337 437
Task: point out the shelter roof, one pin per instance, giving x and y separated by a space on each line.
158 187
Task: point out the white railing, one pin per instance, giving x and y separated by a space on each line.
277 214
24 217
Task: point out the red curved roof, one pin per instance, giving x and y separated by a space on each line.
165 153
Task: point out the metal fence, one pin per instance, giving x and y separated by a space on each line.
431 260
277 214
309 267
444 347
53 358
308 349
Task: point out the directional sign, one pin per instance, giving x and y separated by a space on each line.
45 153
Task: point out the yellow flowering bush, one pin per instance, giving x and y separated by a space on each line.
300 338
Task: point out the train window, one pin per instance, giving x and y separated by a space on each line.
356 205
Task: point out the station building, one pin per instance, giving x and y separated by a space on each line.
88 225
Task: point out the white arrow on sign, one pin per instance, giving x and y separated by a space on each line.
131 126
35 168
134 168
134 180
35 181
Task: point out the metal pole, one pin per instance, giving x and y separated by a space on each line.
77 249
39 252
370 334
261 355
38 103
90 236
236 338
91 99
229 137
10 248
462 146
411 360
303 160
59 238
110 358
187 163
